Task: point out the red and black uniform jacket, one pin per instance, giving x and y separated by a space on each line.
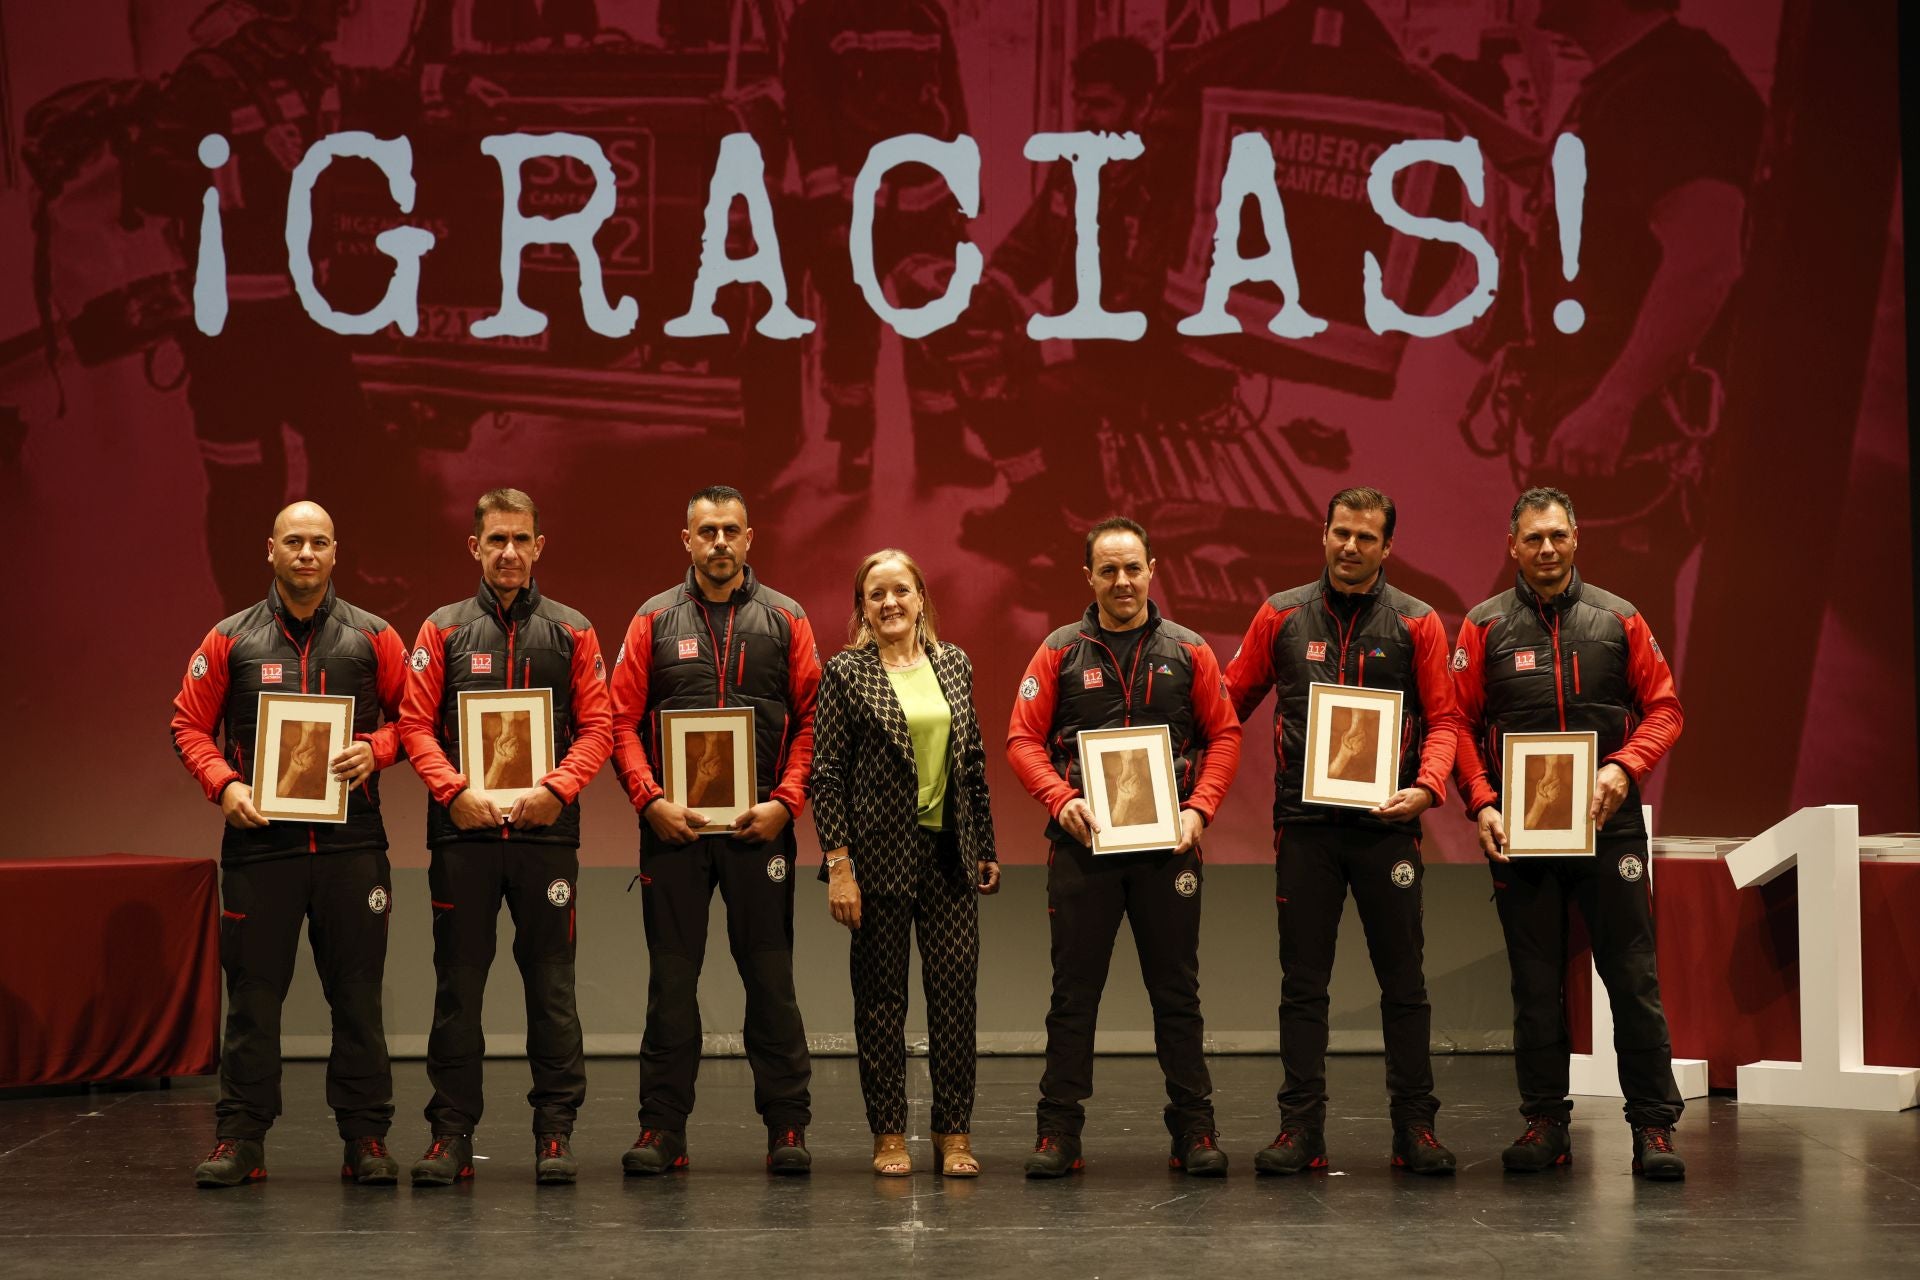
1381 639
537 643
1584 661
758 652
1074 683
341 651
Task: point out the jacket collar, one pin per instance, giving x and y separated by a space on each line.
749 586
1559 604
1090 620
524 602
278 607
1361 600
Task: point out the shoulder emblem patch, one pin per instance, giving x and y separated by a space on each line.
1460 658
1029 689
599 668
419 659
198 668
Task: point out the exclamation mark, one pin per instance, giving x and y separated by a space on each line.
1569 197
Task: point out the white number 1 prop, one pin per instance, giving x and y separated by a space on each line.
1824 843
1597 1074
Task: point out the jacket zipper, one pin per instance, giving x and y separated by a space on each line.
511 628
1559 680
1126 691
1346 636
721 652
313 840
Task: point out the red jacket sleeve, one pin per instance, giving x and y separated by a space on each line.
390 676
1440 704
1470 699
1027 732
1660 718
631 668
1250 672
592 717
420 718
1219 731
803 692
198 709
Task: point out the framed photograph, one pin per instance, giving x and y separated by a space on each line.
1353 746
1546 800
1130 785
506 741
708 757
296 734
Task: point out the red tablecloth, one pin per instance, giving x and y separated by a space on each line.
1730 965
112 968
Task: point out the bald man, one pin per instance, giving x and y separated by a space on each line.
277 871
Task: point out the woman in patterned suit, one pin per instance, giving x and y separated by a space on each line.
900 801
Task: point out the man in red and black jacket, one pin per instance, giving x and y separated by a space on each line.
1123 664
719 639
1556 654
1351 627
508 636
274 874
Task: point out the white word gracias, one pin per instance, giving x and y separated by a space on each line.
740 175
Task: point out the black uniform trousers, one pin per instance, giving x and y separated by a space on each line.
345 898
1610 891
756 883
1316 865
1159 894
540 883
943 907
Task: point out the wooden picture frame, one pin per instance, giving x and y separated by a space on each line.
506 741
1546 793
708 764
1128 778
1353 745
295 736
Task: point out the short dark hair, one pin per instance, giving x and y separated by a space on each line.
1539 498
1361 498
504 499
1120 61
718 495
1118 524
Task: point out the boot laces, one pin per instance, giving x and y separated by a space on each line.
1424 1137
1286 1138
439 1148
221 1149
1657 1139
787 1138
649 1138
1202 1141
372 1147
550 1149
1047 1143
1538 1127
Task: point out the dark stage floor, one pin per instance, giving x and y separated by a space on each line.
99 1184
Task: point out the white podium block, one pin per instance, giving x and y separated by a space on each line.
1597 1074
1824 843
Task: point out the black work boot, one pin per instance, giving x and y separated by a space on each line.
1416 1150
448 1160
787 1151
232 1162
553 1158
366 1161
1654 1157
656 1151
1055 1155
1199 1155
1293 1150
1546 1143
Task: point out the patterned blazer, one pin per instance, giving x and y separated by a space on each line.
866 793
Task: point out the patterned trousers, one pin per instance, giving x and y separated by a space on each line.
944 909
